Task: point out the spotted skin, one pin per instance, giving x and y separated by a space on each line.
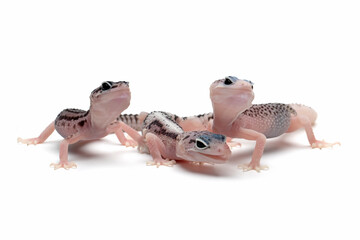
235 116
165 139
107 102
71 121
272 119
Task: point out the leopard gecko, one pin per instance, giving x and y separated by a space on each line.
164 139
107 102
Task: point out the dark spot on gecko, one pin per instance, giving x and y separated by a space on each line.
64 115
82 123
186 137
74 110
170 117
165 133
156 123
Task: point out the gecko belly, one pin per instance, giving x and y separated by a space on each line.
272 119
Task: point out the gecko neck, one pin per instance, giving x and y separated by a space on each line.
102 115
225 116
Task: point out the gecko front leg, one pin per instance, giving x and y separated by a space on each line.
260 139
157 149
42 137
64 148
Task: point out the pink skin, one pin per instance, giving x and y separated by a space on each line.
230 101
305 119
152 144
77 125
163 148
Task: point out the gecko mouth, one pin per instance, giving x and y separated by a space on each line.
239 91
119 94
222 158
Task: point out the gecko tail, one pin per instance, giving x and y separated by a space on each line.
133 120
305 111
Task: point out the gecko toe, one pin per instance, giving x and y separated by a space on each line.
66 166
161 162
322 144
249 167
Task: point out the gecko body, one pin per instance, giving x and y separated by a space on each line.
235 116
271 119
165 139
107 102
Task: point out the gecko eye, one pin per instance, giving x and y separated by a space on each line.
106 86
228 81
200 144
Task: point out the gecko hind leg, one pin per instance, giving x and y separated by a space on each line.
157 148
42 137
117 128
304 122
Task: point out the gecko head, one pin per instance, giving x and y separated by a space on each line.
203 147
233 92
111 95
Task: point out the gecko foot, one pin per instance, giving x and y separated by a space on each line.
323 144
28 141
202 163
130 143
233 144
66 165
249 167
159 162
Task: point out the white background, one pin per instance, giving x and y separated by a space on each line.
53 54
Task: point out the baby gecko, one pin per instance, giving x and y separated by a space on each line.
236 117
164 139
107 102
194 123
